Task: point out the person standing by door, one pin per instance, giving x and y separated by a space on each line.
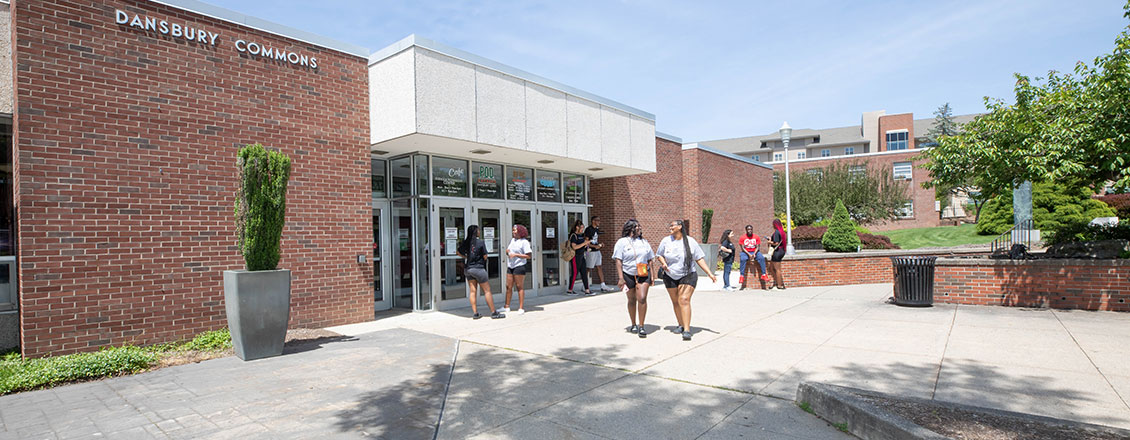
593 258
579 243
633 256
474 251
518 254
676 253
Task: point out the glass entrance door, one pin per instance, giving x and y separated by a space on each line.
402 254
549 235
524 217
382 297
452 229
489 217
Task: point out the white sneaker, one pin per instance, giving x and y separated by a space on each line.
521 311
504 310
605 288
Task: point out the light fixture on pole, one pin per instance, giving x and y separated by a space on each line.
786 133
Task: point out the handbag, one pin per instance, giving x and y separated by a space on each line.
567 251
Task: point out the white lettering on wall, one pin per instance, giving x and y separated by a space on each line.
189 33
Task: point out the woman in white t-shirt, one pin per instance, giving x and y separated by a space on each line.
518 255
677 253
633 256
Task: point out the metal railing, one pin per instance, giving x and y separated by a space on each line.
1021 233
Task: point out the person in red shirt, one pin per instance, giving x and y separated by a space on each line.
751 249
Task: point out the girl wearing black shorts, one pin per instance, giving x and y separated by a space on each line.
675 254
474 251
518 255
779 243
633 256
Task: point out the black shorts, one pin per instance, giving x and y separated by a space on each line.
632 280
690 279
778 254
520 270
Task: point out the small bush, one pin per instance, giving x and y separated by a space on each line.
806 232
215 340
841 235
872 241
1120 203
17 374
1086 232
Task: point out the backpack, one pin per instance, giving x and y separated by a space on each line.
567 251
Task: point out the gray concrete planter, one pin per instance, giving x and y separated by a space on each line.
258 306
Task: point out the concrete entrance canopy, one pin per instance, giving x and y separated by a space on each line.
425 96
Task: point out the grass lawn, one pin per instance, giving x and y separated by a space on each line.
941 236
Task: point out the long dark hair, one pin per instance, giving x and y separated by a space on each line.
577 224
465 247
629 227
684 228
726 235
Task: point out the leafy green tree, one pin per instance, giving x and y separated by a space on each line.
1065 127
1055 206
870 193
841 236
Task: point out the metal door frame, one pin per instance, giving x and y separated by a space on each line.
382 260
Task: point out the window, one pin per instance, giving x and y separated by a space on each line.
548 188
401 176
857 170
907 210
776 177
574 188
849 151
449 177
519 184
486 180
757 157
897 140
801 155
819 173
777 157
903 170
378 176
825 152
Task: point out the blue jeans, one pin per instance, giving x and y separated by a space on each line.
760 262
726 267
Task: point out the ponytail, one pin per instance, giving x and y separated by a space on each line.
686 225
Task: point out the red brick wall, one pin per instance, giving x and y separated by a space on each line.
125 154
839 269
685 183
924 213
739 193
904 121
1061 284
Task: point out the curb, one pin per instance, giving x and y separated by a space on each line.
840 405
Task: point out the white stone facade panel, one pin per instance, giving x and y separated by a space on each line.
615 136
445 96
392 97
642 143
545 120
500 109
584 129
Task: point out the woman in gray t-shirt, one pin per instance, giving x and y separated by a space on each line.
633 256
677 254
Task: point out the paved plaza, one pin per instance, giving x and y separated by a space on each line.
569 369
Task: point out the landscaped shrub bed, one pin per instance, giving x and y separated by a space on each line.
1119 202
869 241
19 374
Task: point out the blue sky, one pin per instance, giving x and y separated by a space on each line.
711 70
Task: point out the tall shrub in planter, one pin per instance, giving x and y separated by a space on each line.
841 236
707 222
258 299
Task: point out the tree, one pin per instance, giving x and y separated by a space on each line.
1065 127
944 125
1055 205
841 236
870 194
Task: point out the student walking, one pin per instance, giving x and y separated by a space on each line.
779 242
518 255
676 253
474 251
633 256
726 250
579 243
751 250
593 258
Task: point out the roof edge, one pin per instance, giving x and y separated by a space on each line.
228 15
434 46
704 147
665 136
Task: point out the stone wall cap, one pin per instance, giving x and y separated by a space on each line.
1047 262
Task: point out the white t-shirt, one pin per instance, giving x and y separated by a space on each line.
518 246
673 251
631 252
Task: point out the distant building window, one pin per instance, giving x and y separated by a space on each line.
907 210
849 150
774 177
801 155
819 173
825 152
757 157
763 145
857 170
903 171
897 140
777 157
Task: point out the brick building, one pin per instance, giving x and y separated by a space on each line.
891 142
120 121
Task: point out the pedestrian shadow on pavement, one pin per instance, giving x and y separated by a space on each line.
303 345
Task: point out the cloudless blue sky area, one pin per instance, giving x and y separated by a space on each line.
713 69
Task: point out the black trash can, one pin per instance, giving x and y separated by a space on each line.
914 281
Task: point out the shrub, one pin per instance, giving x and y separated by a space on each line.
807 232
872 241
707 222
1080 231
18 374
1120 203
828 222
1054 205
261 205
215 340
841 235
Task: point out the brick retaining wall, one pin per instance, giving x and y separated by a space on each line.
1060 284
867 267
